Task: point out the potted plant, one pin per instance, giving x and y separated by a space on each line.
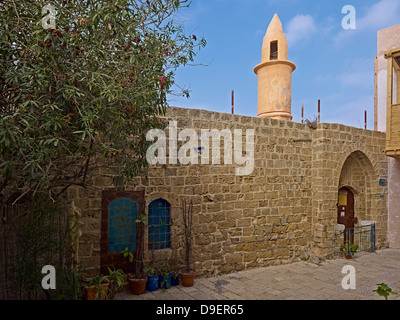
174 278
138 280
152 277
174 270
116 279
164 278
187 275
98 288
349 250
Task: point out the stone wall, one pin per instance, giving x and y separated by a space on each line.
284 209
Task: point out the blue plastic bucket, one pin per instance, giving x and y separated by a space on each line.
175 280
152 283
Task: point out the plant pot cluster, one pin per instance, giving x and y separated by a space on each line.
152 277
153 282
160 276
161 281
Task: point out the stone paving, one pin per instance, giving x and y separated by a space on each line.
301 280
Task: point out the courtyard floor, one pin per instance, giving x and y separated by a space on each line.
301 280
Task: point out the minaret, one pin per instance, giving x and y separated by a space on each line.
275 74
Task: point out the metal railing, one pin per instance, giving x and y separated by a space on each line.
358 239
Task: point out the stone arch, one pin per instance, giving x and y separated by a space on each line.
357 172
173 201
363 153
171 198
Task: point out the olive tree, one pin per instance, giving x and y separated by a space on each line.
83 81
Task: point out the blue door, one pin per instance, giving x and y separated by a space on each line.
120 209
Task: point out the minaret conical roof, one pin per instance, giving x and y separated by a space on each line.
275 25
275 34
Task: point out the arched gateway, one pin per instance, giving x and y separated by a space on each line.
357 208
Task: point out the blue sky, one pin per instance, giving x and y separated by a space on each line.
333 64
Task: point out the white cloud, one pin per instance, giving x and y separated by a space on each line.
300 28
364 79
359 72
351 112
380 15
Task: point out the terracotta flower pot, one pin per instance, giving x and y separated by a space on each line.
91 291
187 278
138 286
348 256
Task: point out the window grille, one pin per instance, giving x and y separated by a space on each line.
159 225
122 225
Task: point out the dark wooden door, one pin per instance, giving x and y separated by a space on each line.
345 213
120 209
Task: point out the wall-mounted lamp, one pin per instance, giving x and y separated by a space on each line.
382 182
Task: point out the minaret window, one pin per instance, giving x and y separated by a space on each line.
273 50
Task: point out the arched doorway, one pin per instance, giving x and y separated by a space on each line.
345 209
358 175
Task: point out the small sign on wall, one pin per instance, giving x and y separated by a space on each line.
382 182
342 198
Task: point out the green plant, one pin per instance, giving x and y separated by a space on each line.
175 266
164 266
164 269
37 236
98 282
128 254
138 255
66 288
150 269
139 250
131 256
115 279
384 290
88 90
352 248
141 219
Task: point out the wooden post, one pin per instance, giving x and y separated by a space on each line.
302 113
319 111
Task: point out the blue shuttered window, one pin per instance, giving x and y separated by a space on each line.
122 226
159 224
